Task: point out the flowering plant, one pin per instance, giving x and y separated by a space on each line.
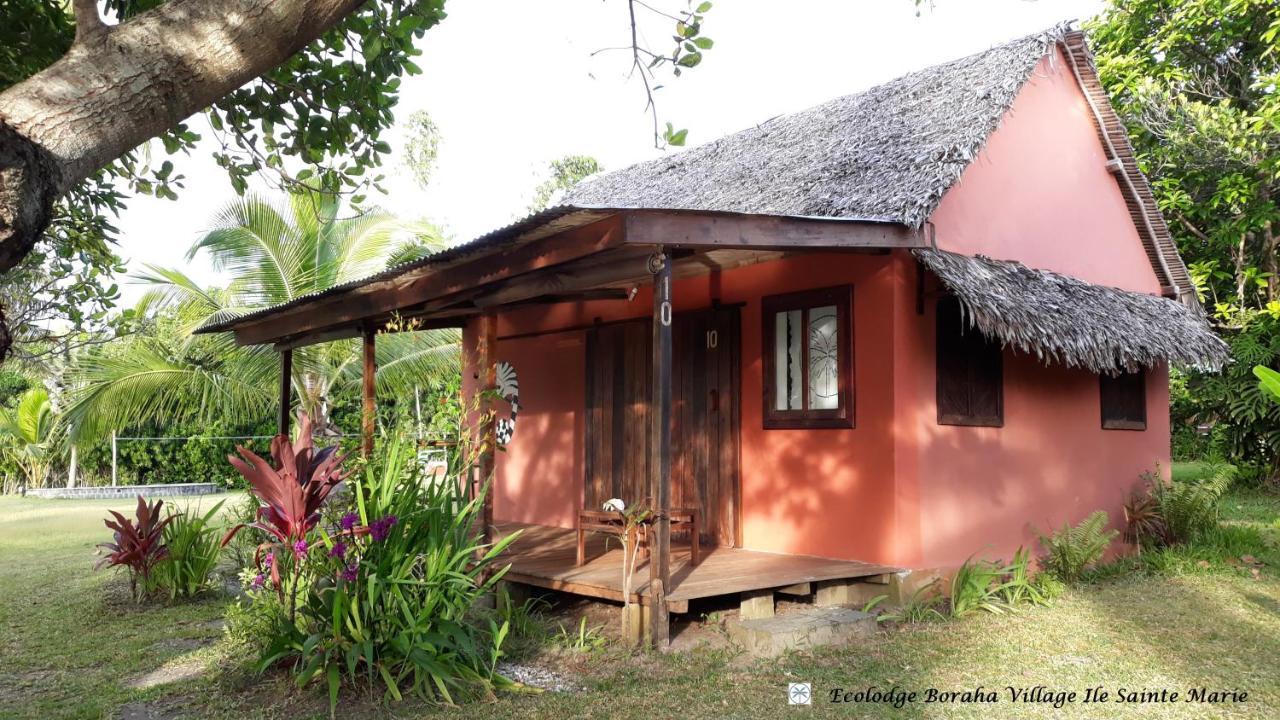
291 496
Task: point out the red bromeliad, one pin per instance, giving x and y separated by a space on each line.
138 545
292 493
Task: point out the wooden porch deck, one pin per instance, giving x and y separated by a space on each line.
544 557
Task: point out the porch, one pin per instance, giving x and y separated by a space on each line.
545 557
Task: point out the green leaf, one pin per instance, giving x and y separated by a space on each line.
1268 380
690 60
705 43
704 7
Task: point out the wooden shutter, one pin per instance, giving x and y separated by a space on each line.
618 381
970 371
1124 401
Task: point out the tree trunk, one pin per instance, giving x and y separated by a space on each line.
118 87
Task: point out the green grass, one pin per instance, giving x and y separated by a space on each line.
70 639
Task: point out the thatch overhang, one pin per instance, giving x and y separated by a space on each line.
1064 320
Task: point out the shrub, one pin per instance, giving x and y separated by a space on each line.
387 593
973 587
1190 509
193 542
1072 549
255 620
138 545
1020 586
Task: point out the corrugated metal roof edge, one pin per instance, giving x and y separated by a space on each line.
484 242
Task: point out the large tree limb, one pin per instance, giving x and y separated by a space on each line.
119 87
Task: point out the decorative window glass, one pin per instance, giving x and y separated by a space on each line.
808 359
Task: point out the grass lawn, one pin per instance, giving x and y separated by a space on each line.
72 645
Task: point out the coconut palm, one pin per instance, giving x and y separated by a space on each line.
29 436
275 252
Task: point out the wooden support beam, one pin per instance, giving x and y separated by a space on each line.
660 448
367 417
418 285
486 361
800 589
286 392
733 230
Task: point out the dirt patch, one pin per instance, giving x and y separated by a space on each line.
170 709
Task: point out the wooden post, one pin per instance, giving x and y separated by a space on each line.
486 380
660 450
370 373
286 388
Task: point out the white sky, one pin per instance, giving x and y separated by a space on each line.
511 86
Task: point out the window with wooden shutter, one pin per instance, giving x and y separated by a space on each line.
970 371
808 359
1124 401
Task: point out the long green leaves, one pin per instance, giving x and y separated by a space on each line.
274 252
193 542
394 590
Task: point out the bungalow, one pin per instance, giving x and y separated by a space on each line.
886 333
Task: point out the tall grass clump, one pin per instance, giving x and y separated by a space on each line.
194 542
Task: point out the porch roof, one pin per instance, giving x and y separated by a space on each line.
569 252
1062 319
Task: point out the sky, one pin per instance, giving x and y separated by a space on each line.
513 84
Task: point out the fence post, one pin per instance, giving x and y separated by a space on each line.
114 456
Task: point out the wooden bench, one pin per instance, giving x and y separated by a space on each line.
612 523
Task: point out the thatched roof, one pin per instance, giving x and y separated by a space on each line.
887 153
1065 320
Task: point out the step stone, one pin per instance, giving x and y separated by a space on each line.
809 628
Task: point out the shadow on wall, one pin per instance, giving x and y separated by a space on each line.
986 491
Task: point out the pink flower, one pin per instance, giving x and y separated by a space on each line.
351 572
350 520
339 550
300 549
258 582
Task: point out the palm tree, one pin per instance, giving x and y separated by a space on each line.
275 251
28 432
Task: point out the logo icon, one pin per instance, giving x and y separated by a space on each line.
799 694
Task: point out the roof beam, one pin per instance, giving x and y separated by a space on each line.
389 295
765 232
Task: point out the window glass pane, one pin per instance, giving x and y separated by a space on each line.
824 359
787 358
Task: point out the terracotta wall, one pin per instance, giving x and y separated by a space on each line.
986 491
1040 193
819 492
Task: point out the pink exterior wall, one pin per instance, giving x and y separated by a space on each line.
816 492
1040 193
986 491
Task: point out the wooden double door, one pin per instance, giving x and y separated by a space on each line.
704 416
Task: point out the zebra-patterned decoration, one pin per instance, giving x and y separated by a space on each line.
509 390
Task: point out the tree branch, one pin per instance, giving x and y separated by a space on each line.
88 21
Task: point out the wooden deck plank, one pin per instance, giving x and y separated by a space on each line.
545 557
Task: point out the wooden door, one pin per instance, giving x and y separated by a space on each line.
704 408
619 377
